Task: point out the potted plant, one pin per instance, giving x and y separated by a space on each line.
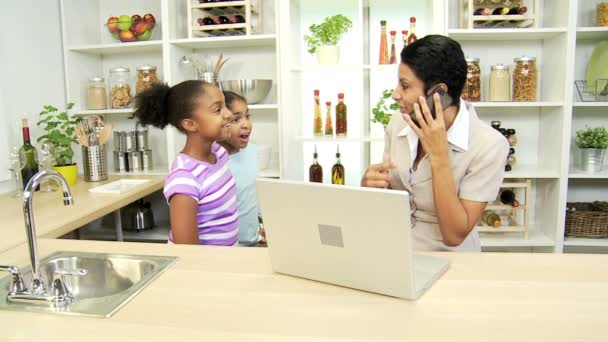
592 143
59 128
383 110
324 38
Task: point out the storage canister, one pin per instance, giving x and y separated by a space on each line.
500 83
524 79
472 86
96 93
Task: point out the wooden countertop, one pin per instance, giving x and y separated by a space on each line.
231 294
53 219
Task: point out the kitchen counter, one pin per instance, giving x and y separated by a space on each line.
231 294
53 219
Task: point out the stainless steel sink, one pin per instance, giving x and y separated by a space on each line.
111 281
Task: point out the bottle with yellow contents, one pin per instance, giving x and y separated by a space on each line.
337 171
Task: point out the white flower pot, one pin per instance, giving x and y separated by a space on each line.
592 159
328 54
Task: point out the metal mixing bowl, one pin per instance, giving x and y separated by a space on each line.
253 91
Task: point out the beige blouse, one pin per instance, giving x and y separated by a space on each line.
477 157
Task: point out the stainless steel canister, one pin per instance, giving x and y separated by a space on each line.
134 162
146 160
130 142
142 140
120 161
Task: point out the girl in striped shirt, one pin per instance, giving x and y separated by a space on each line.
200 189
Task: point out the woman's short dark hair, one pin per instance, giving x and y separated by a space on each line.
437 59
230 97
162 105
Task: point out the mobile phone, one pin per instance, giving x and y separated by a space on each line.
446 100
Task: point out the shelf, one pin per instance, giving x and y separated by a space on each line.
535 239
586 242
103 49
225 30
479 18
515 104
502 229
105 111
258 40
591 104
263 106
591 33
503 207
160 170
271 172
220 4
333 139
578 173
530 171
505 34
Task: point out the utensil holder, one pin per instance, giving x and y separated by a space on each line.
95 162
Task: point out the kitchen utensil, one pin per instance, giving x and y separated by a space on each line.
105 133
137 216
254 90
95 163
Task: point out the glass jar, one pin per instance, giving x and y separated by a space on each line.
472 86
500 83
145 79
524 79
120 91
601 14
96 93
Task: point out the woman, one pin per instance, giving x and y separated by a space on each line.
452 163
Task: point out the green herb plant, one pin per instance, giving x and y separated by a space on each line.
59 128
596 137
383 110
329 32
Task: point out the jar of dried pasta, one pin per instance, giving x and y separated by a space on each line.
524 79
145 78
120 91
472 86
601 13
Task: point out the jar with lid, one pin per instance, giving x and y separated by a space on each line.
500 83
146 78
524 79
96 93
601 13
472 86
120 91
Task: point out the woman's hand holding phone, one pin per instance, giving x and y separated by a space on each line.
431 129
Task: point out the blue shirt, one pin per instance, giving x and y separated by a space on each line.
244 168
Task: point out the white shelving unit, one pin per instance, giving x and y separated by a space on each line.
89 51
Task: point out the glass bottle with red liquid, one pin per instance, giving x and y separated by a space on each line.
315 171
341 117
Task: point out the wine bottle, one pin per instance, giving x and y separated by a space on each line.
511 136
482 11
511 160
224 20
315 172
412 37
28 154
496 124
511 151
518 10
337 171
491 219
500 11
508 197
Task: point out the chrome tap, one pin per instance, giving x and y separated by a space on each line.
37 285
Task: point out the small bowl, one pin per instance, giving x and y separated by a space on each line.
253 91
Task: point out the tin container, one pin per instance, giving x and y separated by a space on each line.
120 161
134 162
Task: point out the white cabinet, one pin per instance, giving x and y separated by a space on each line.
544 128
90 50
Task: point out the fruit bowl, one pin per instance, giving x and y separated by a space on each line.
131 28
253 90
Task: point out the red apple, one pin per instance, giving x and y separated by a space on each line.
135 18
149 18
113 24
139 28
126 36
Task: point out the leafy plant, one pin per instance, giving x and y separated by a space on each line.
59 127
382 112
596 137
329 32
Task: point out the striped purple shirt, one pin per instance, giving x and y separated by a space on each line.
213 187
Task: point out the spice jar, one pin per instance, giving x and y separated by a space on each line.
524 79
120 91
146 78
500 83
96 93
601 13
472 86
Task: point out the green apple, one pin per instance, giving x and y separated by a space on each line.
145 36
115 35
124 22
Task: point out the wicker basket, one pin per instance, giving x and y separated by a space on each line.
587 220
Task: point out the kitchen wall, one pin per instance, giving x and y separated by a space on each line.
31 70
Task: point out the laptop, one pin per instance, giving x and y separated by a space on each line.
349 236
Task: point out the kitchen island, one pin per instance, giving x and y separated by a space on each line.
231 294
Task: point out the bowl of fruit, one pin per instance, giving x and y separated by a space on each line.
131 28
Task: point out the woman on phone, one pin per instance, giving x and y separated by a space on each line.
450 161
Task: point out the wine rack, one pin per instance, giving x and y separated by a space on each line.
518 218
469 20
246 9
